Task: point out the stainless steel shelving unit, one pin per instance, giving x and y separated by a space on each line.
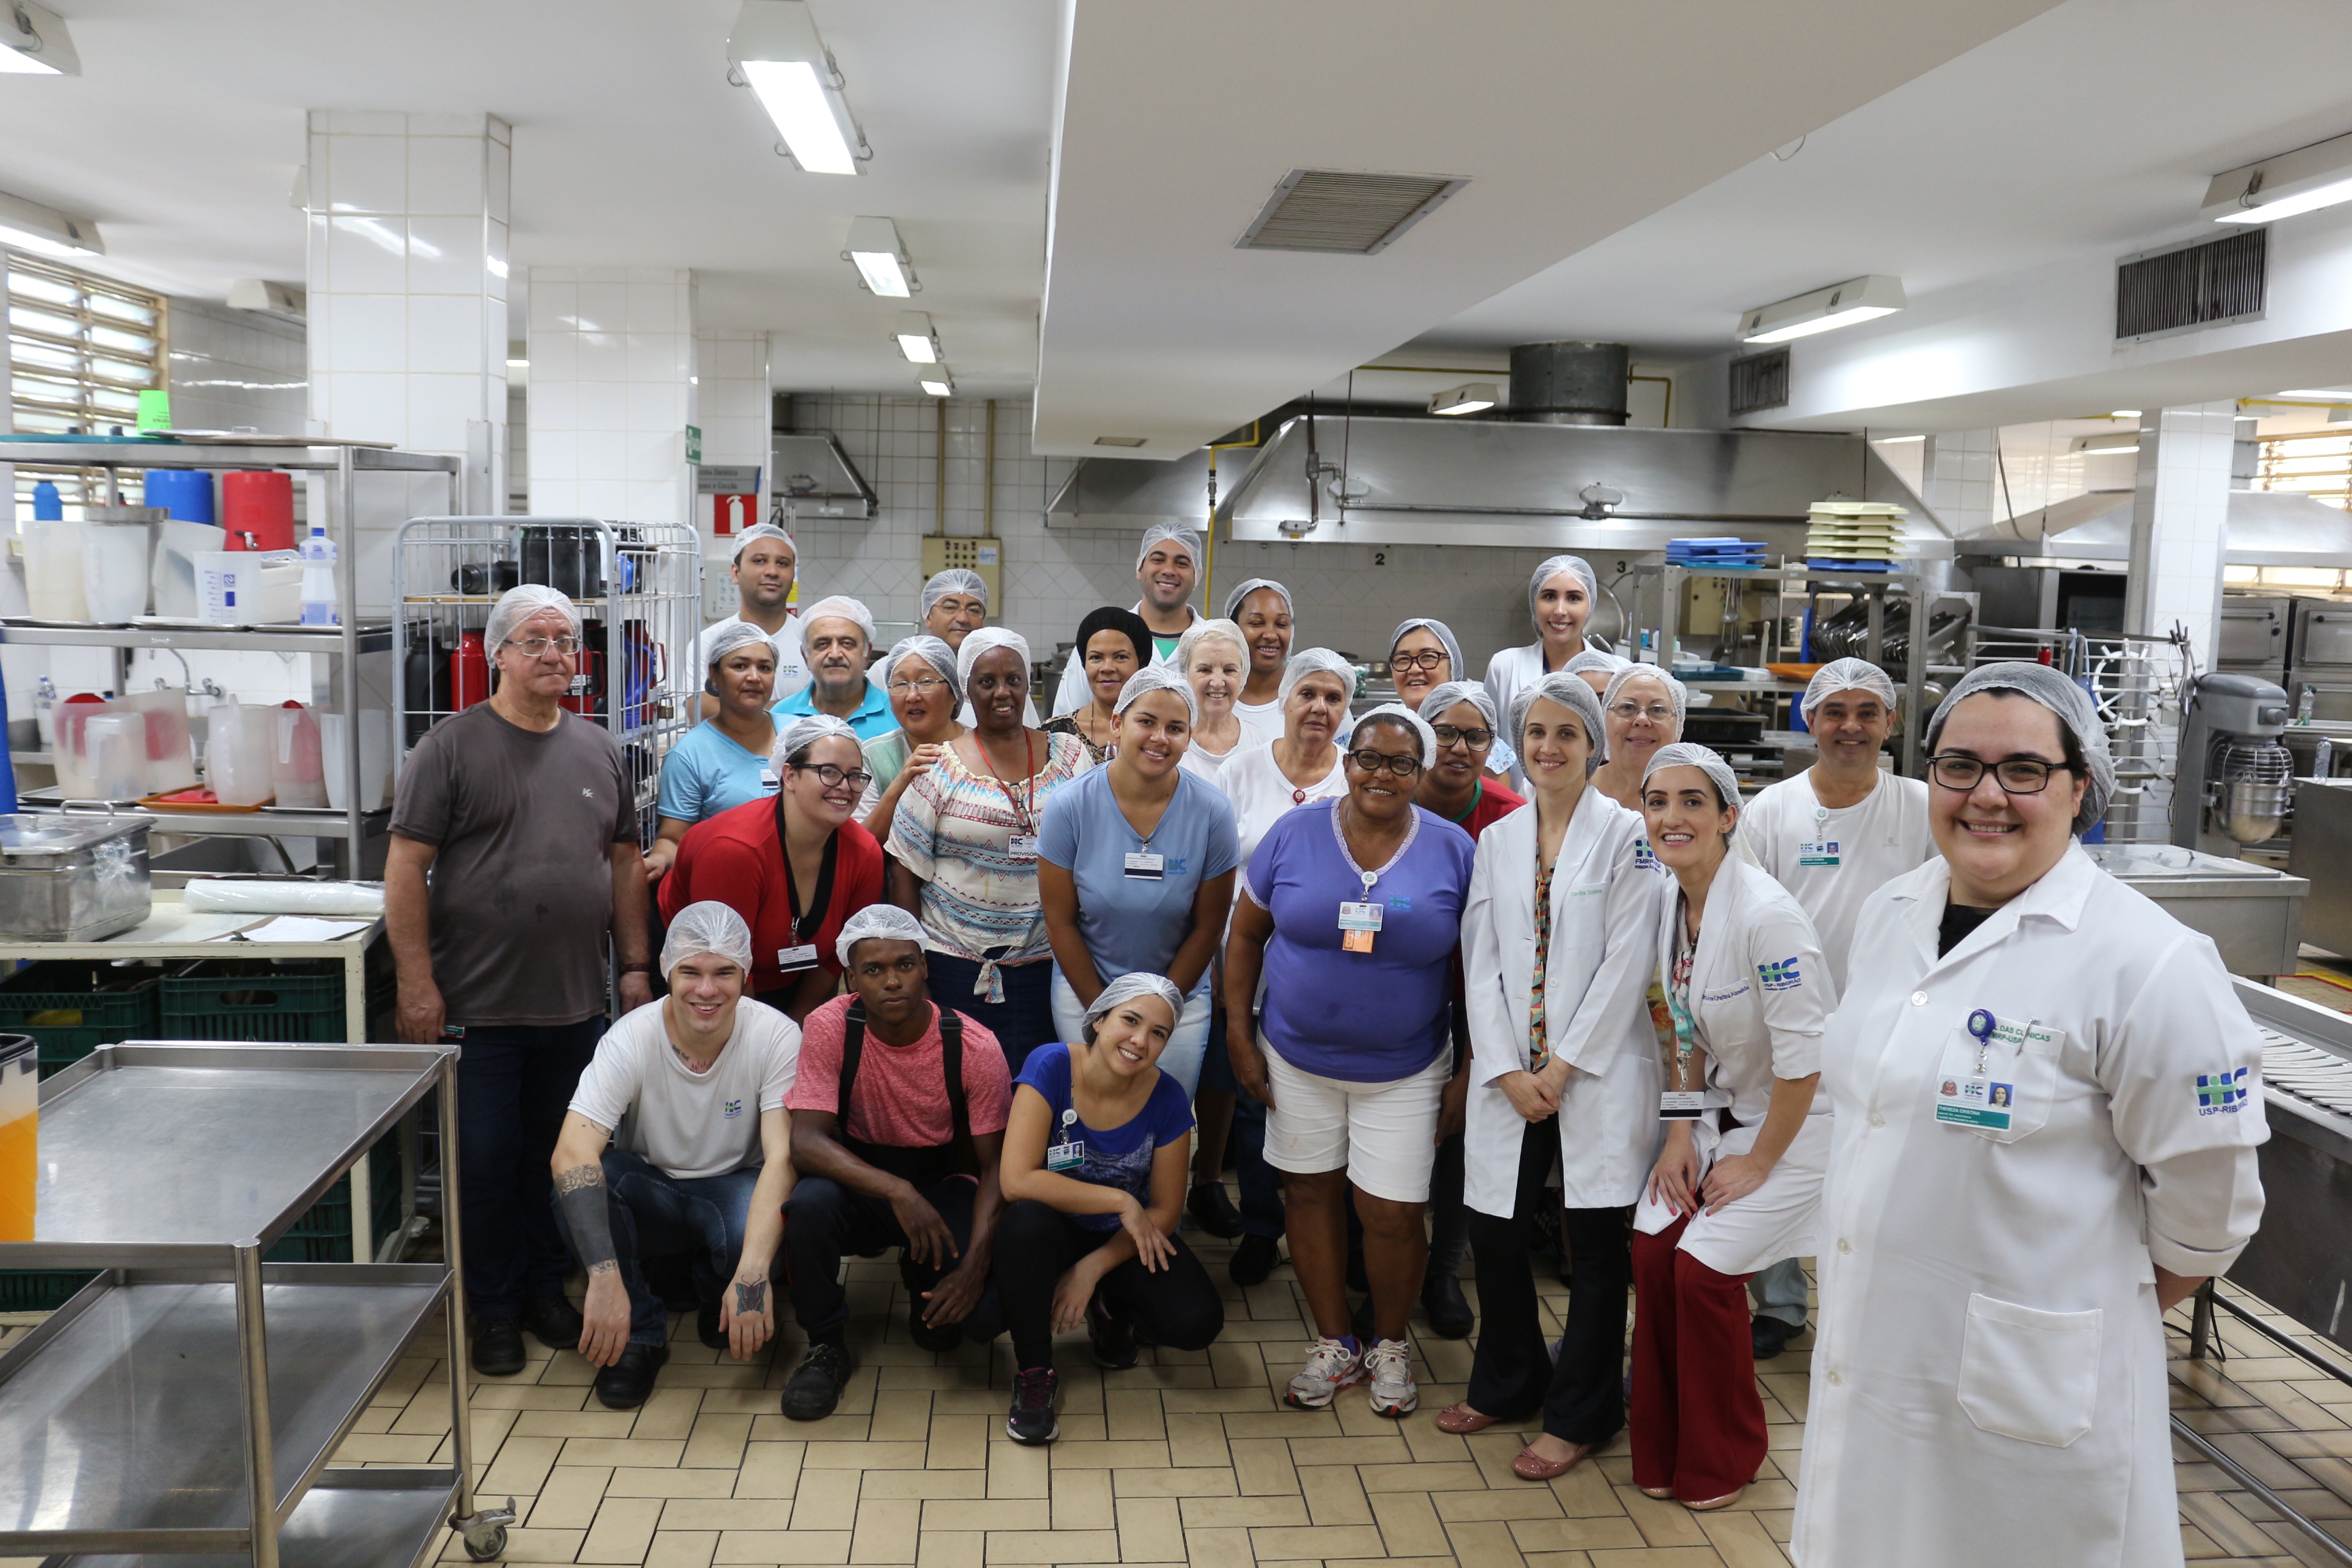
343 465
188 1400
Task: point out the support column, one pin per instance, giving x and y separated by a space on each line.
738 415
2181 523
612 392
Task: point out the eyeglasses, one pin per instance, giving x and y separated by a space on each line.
833 778
2016 775
1374 761
922 685
1418 660
1449 734
536 647
1655 713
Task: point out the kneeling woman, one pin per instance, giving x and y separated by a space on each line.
1094 1161
1739 1186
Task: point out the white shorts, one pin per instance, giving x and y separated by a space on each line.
1384 1135
1187 1043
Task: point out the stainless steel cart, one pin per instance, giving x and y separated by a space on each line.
188 1400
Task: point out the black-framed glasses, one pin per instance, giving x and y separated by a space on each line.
1430 661
2016 775
833 778
536 647
1451 734
1372 762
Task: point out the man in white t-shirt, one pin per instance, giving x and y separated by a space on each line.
678 1142
1166 567
765 562
1832 836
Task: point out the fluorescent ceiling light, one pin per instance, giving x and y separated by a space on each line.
1823 309
915 338
2318 175
2124 413
2330 393
775 45
1469 399
1893 441
34 42
880 258
938 381
518 363
29 226
2107 445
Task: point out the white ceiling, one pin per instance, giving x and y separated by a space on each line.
183 132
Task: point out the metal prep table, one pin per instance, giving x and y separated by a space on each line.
190 1398
2253 913
173 932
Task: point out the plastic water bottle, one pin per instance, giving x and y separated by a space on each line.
319 579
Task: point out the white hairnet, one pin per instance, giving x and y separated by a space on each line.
1691 755
885 922
1136 984
841 608
1455 668
1306 661
1848 675
1233 600
955 580
1398 714
1171 532
1157 678
1674 689
735 635
518 604
1447 693
1201 631
1571 692
2076 711
932 651
984 641
1552 567
708 927
1592 658
796 738
752 536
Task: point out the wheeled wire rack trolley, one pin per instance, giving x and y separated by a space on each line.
188 1400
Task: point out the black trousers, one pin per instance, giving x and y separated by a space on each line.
1176 1306
514 1083
1584 1396
823 1220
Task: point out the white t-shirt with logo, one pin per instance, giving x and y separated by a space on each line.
693 1125
1832 860
791 660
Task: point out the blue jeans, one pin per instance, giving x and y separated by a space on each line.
1021 1023
655 1213
514 1083
1779 1292
1261 1205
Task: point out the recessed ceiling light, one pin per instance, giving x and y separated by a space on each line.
1823 309
775 45
518 363
1120 440
915 338
1893 441
2124 413
880 259
34 42
2319 176
1469 399
936 379
33 226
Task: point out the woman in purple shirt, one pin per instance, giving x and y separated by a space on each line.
1352 912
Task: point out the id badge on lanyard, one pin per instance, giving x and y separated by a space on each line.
1143 865
1070 1153
1360 923
1974 1085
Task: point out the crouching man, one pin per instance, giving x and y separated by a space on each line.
696 1082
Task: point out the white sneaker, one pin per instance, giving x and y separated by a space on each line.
1388 1364
1330 1367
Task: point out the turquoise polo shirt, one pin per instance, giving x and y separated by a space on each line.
873 718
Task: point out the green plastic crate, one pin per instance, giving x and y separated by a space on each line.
325 1234
253 999
40 1289
72 1007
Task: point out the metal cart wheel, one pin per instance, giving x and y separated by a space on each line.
485 1534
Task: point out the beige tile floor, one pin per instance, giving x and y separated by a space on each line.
1189 1457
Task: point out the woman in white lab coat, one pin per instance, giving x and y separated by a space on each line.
2048 1102
1738 1184
1557 945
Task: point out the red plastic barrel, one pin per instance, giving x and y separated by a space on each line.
260 504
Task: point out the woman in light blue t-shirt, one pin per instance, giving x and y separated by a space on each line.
722 761
1135 868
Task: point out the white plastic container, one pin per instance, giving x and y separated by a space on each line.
114 752
174 574
375 758
296 773
114 570
169 752
238 749
228 580
53 570
319 579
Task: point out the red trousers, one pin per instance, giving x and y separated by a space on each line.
1697 1420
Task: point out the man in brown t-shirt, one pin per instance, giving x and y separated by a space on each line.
524 816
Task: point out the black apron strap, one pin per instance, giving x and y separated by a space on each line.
852 1046
959 1112
822 899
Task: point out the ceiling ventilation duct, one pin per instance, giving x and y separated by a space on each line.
1570 383
2205 284
2266 527
1759 382
1345 214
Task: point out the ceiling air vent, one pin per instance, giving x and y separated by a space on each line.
2205 283
1759 382
1353 214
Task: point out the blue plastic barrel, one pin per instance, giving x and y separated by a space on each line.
187 493
47 505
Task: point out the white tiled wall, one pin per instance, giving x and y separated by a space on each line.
236 368
2184 491
1349 597
736 410
612 369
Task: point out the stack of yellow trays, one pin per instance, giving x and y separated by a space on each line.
1854 536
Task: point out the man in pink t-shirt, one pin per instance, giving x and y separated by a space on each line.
904 1159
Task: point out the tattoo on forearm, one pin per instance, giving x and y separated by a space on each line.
752 1298
580 1191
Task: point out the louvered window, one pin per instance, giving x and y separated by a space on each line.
80 349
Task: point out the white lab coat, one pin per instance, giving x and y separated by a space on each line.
1605 892
1760 997
1506 672
1834 859
1988 1382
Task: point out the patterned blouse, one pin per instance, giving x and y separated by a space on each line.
954 830
1538 1038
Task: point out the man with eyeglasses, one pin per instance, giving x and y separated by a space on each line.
525 816
838 635
1832 836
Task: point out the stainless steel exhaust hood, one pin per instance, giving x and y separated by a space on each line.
2266 527
1486 482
